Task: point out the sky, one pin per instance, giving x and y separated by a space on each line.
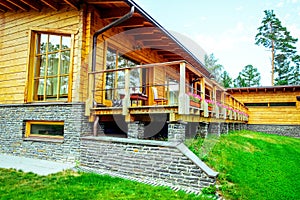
227 28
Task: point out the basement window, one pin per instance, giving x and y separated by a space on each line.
289 104
44 129
256 104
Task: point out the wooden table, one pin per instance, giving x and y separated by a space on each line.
139 97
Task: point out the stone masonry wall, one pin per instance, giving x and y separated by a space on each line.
12 130
284 130
147 160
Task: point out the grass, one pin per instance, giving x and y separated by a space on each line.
76 185
253 165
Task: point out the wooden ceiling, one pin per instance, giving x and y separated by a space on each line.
152 36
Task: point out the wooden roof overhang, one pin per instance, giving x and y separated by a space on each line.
286 88
141 26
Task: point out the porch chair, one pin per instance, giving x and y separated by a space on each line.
157 99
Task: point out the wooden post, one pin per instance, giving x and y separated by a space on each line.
126 100
183 104
202 91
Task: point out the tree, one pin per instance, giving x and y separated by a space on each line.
211 64
248 77
226 80
296 72
272 35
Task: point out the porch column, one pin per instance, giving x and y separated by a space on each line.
135 130
126 100
225 128
231 127
215 128
176 132
202 129
183 99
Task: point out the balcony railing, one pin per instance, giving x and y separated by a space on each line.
132 88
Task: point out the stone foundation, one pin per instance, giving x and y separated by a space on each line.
12 130
176 132
284 130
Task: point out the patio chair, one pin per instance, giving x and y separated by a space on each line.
157 100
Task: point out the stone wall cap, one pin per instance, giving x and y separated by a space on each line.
131 141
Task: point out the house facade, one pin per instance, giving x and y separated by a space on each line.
101 82
272 109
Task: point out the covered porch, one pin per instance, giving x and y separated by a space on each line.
159 93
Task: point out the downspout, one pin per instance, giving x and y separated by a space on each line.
94 51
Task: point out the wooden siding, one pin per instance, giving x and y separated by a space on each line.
271 114
14 46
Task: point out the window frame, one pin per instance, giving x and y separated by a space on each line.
118 52
28 129
29 89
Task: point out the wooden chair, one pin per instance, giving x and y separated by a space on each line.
157 99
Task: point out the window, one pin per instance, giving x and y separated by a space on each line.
50 67
271 104
46 129
115 81
172 90
256 104
290 104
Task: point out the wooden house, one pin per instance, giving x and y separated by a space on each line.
71 69
273 109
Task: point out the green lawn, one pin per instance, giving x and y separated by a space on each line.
253 165
74 185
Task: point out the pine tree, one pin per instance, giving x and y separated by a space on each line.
211 63
296 71
272 35
226 80
248 77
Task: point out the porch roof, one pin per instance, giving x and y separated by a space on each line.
152 36
283 88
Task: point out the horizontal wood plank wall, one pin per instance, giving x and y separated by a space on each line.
14 39
281 115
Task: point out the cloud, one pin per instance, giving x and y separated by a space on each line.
280 4
239 8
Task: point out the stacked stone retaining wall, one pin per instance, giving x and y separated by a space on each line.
157 161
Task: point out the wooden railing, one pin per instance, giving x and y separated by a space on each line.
127 95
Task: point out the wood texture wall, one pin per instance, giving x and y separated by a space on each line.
283 115
14 47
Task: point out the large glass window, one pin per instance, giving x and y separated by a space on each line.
51 67
115 81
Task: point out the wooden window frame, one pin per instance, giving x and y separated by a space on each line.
29 88
28 129
118 52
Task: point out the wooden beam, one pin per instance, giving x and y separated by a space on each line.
113 13
133 22
51 4
2 8
158 43
19 4
150 37
32 4
72 3
8 5
105 2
